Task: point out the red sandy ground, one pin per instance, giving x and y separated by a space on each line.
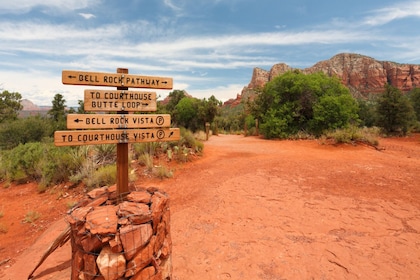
257 209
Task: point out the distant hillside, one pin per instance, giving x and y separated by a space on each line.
363 75
31 109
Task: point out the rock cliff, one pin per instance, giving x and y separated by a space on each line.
361 74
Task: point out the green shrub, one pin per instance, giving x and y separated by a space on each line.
162 172
105 154
103 176
151 148
146 160
41 162
31 217
353 134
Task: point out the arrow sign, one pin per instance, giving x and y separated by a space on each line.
95 121
119 100
71 77
115 136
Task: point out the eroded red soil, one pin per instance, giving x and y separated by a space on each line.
258 209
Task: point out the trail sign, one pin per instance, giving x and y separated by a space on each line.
124 128
114 136
71 77
119 100
92 121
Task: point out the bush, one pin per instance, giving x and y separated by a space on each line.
353 134
295 102
395 113
41 162
103 176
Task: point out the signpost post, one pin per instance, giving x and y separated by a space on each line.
121 128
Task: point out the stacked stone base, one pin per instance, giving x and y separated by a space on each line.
126 240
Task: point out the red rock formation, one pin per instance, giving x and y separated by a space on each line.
361 74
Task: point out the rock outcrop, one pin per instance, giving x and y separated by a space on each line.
363 75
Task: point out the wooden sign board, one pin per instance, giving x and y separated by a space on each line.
115 136
70 77
95 121
119 100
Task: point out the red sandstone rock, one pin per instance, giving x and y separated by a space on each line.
102 220
159 203
146 274
142 259
97 192
363 75
78 215
134 237
110 264
90 243
137 213
90 270
140 197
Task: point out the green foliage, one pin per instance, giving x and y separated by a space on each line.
414 96
162 172
190 112
230 119
186 113
367 113
295 102
395 114
31 217
333 112
24 130
105 154
58 112
352 134
10 105
41 162
103 176
151 148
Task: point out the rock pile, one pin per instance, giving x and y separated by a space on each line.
126 240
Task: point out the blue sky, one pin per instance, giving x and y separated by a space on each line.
209 47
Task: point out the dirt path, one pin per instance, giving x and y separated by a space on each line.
257 209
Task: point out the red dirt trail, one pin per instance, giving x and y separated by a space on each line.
256 209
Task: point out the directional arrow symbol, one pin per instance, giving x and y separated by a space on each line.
164 82
77 120
170 134
71 77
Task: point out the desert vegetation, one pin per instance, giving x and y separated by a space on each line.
291 106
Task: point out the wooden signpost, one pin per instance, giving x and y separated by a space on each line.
120 128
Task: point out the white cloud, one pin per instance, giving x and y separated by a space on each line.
23 6
398 11
87 16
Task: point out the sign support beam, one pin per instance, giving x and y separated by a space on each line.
122 157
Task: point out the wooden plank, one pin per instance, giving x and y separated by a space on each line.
71 77
115 136
119 100
100 121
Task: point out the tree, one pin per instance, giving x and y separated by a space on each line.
414 96
58 111
24 130
10 105
395 114
174 98
332 112
186 113
296 102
